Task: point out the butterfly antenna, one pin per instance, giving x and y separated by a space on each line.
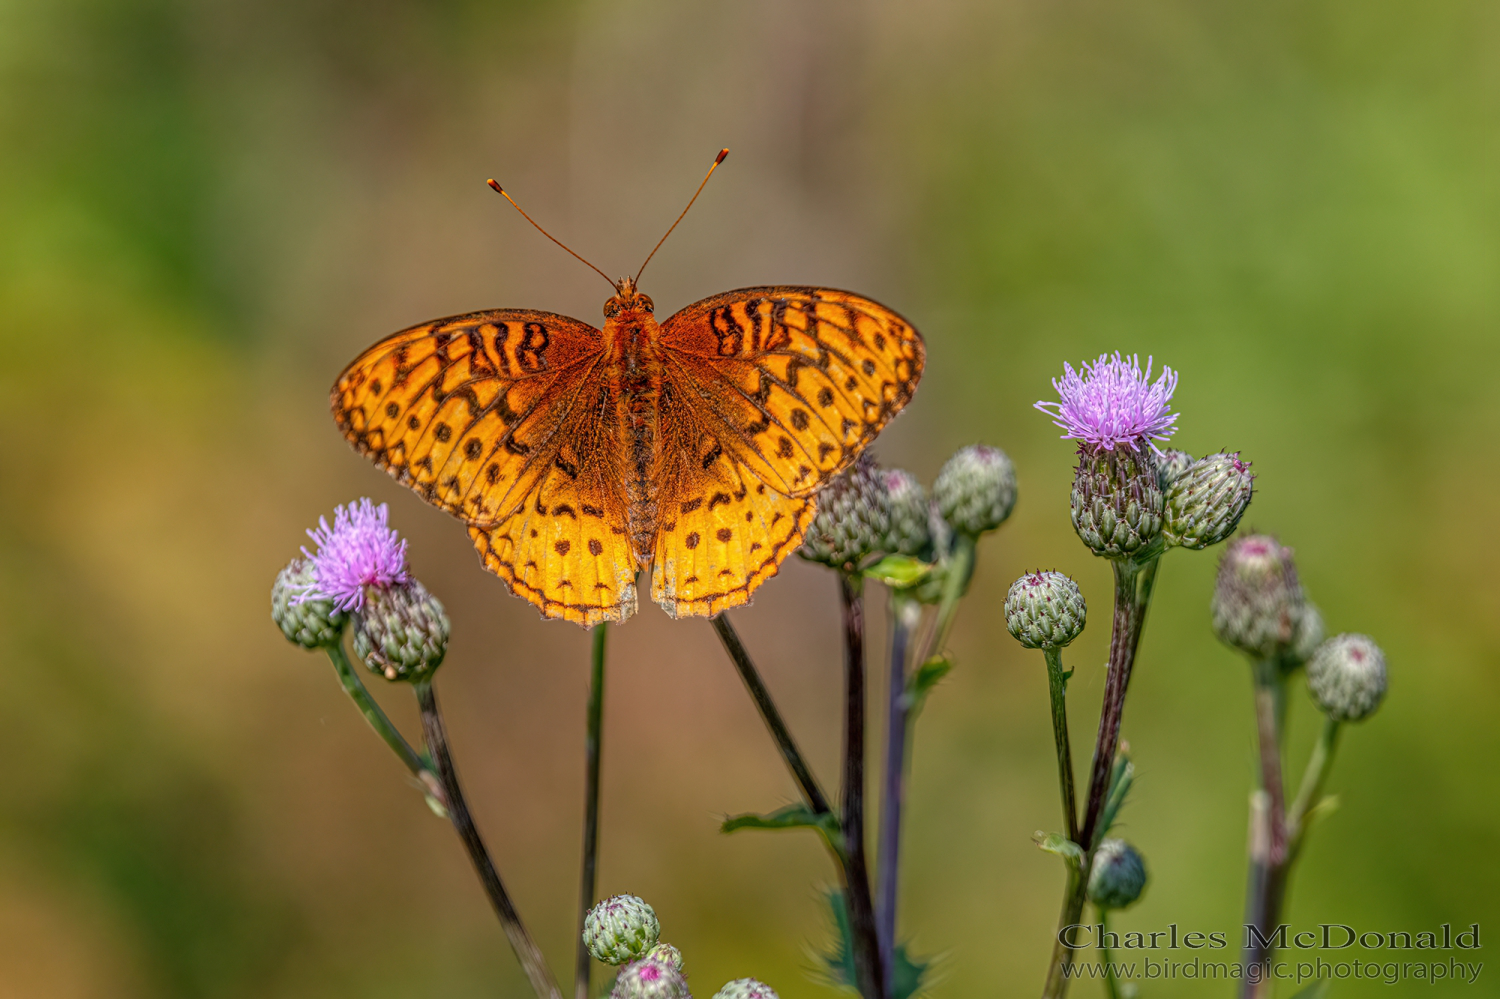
717 160
496 185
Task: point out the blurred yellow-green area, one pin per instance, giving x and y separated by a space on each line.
206 209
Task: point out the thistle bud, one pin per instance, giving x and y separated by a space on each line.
1045 610
1118 875
620 929
665 953
976 489
1205 502
1258 604
312 624
1347 677
909 533
746 988
853 518
1170 464
1117 500
648 979
401 631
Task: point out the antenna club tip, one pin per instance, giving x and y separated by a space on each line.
720 158
495 184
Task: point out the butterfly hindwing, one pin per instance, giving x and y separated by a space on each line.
796 381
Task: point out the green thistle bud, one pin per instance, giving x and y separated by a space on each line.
909 532
1307 636
665 953
853 518
1118 875
976 489
401 631
1045 610
647 979
1205 502
1258 604
1347 677
1170 464
746 988
312 624
1117 500
620 929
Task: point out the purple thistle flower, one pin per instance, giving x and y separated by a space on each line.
1114 403
359 550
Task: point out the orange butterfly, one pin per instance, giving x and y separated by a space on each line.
579 456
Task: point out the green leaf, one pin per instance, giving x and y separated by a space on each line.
1120 783
910 975
1062 846
899 572
797 816
921 682
1317 990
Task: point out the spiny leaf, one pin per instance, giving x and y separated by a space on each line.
1062 846
899 572
909 974
922 680
797 816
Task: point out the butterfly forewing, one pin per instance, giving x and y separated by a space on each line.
797 381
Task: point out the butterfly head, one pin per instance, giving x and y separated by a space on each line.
628 300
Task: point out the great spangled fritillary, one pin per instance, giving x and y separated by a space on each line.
579 456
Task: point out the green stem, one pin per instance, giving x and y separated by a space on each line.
868 966
1111 984
893 795
1058 687
1268 855
1311 791
420 766
526 950
959 570
592 749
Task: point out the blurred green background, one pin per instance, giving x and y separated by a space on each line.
207 208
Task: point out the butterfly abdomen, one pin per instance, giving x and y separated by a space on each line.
636 377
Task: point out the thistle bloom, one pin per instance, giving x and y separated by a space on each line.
1113 403
359 550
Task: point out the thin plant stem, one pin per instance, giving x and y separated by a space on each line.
893 782
1269 843
1057 682
1310 794
1111 983
420 766
807 784
1134 581
592 749
868 965
527 952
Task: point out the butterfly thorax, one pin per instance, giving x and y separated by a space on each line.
634 370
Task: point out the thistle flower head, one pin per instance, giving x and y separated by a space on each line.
853 518
1118 875
1113 403
909 530
1258 604
746 988
650 979
359 550
1347 677
1045 610
976 489
402 631
310 623
621 928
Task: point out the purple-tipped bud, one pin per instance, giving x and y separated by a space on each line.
648 979
909 533
1117 501
1045 610
312 624
1172 463
1118 876
746 988
401 632
1113 404
619 929
976 489
1347 677
1258 604
665 953
853 518
1204 504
